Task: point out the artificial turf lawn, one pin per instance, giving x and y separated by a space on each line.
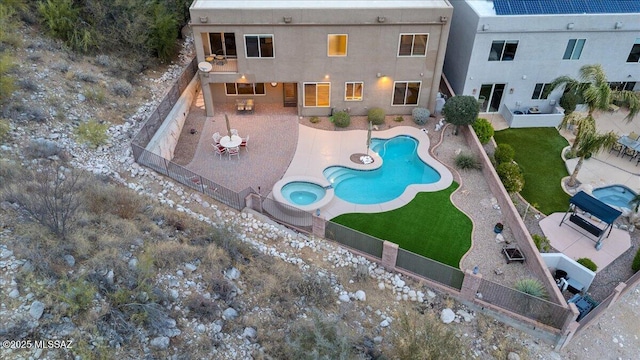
538 152
429 225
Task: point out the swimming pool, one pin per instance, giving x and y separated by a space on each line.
401 167
616 195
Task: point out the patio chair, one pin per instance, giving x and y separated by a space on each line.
633 135
629 151
234 132
617 147
234 151
244 143
216 138
219 150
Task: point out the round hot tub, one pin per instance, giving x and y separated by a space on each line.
305 193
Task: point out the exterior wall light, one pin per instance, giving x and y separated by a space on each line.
570 26
618 25
379 75
287 19
381 19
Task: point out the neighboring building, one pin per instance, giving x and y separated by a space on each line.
505 52
322 56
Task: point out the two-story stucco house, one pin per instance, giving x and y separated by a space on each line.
321 56
505 52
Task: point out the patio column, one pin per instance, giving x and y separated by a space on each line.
389 255
207 95
470 285
616 293
318 226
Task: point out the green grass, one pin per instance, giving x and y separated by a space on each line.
538 153
429 225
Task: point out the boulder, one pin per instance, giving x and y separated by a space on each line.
161 342
229 314
447 316
36 310
360 295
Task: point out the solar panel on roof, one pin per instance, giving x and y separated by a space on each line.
539 7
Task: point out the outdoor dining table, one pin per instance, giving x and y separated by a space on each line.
232 142
629 142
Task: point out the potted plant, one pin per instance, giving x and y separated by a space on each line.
498 228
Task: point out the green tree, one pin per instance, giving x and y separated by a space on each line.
461 110
590 142
164 32
635 203
593 86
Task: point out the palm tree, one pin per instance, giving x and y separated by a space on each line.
594 88
635 202
590 142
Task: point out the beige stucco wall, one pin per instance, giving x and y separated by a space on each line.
300 49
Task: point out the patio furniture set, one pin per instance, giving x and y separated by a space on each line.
229 145
628 145
244 105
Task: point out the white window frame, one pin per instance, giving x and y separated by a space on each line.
304 94
572 54
253 86
542 91
406 82
329 45
353 84
259 36
413 41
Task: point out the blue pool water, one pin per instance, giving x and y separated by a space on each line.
401 167
302 192
616 195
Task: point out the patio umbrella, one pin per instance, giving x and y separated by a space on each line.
369 137
228 125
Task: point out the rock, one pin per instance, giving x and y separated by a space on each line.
232 274
161 342
14 293
377 339
201 328
465 315
190 267
70 260
499 238
381 286
249 333
36 310
384 323
447 316
110 277
133 264
513 356
360 295
344 298
229 314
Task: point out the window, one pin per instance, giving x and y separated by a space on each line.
259 46
413 45
223 44
622 85
541 91
406 92
634 55
502 50
244 89
316 94
574 49
353 91
337 45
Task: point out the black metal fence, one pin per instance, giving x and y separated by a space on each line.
430 269
524 304
354 239
287 215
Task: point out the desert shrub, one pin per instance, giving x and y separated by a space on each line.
532 287
504 153
320 338
361 273
423 337
61 66
316 290
116 200
588 263
7 82
398 119
420 115
95 95
42 148
568 101
314 120
77 293
122 88
103 60
27 85
484 130
92 133
341 119
635 266
52 197
467 161
60 17
201 307
4 129
570 154
542 242
86 77
376 116
511 176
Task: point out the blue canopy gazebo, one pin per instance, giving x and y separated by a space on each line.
595 208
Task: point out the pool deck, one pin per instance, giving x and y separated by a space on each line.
319 149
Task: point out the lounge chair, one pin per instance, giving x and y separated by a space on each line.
219 149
